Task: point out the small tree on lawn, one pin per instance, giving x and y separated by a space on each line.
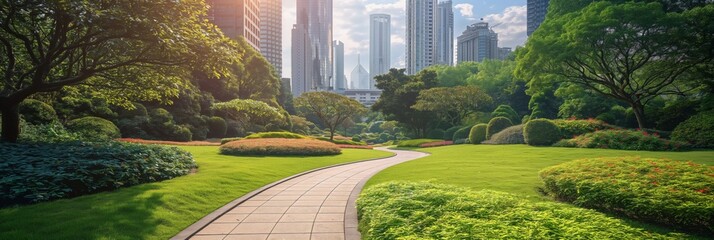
453 104
330 108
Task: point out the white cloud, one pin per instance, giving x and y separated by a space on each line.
512 25
466 10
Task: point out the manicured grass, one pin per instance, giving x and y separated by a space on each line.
161 210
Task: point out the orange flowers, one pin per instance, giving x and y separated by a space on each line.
280 147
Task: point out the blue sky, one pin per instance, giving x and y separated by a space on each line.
351 25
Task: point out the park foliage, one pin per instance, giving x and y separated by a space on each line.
541 132
279 147
478 133
624 140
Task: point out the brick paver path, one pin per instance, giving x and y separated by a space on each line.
312 206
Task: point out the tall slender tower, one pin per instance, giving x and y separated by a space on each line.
359 78
537 10
271 33
379 46
340 79
420 34
237 18
312 53
445 33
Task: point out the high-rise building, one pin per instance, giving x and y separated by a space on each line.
504 52
477 43
537 10
271 33
237 18
312 56
340 79
420 34
379 46
359 78
444 33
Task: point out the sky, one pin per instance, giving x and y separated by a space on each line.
351 25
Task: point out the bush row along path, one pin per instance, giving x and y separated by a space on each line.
317 205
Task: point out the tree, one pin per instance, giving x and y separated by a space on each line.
251 112
144 50
453 104
330 108
632 52
399 94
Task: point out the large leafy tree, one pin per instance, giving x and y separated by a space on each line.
331 109
453 104
248 111
632 52
117 50
399 94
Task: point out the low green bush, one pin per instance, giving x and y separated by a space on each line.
570 128
697 130
510 135
275 135
478 133
541 132
94 129
433 211
413 143
623 140
31 173
53 132
280 147
674 193
449 133
496 125
36 112
217 127
462 133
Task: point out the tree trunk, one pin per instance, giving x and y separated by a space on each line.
639 110
10 123
332 134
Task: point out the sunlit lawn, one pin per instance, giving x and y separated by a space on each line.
161 210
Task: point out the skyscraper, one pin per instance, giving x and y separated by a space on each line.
340 79
537 10
444 33
379 46
271 33
504 52
359 78
420 34
477 43
312 56
237 18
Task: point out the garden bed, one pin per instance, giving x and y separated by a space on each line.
280 147
173 143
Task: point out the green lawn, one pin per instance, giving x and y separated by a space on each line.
161 210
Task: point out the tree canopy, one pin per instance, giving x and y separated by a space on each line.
453 104
331 109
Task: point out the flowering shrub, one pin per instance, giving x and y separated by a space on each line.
674 193
142 141
434 211
344 146
280 147
436 144
624 140
417 142
570 128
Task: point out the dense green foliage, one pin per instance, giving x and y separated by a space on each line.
462 133
452 104
37 112
697 131
496 125
34 173
275 135
331 109
251 115
436 134
541 132
414 143
53 132
279 147
217 127
572 128
507 112
510 135
435 211
623 140
94 129
674 193
449 133
400 93
478 133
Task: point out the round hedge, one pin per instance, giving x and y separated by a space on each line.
510 135
541 132
94 129
37 112
217 127
462 133
478 133
697 130
280 147
496 125
674 193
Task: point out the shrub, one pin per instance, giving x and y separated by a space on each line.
697 130
341 141
193 143
623 140
496 125
449 133
180 134
541 132
417 142
507 112
434 211
436 144
571 128
435 134
478 133
53 132
462 133
37 112
94 129
31 173
275 135
510 135
227 140
280 147
674 193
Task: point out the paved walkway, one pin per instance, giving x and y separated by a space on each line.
318 205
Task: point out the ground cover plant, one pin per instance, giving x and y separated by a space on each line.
414 143
674 193
160 210
31 173
570 128
400 210
279 147
624 140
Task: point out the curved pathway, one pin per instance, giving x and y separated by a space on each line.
317 205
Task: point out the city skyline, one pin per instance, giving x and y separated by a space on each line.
380 46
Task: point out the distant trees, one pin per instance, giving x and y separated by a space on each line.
453 104
399 94
331 109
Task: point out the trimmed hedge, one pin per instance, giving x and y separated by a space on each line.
623 140
462 133
541 132
275 135
507 112
31 173
510 135
570 128
697 130
496 125
280 147
417 142
674 193
94 129
37 112
396 210
478 133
